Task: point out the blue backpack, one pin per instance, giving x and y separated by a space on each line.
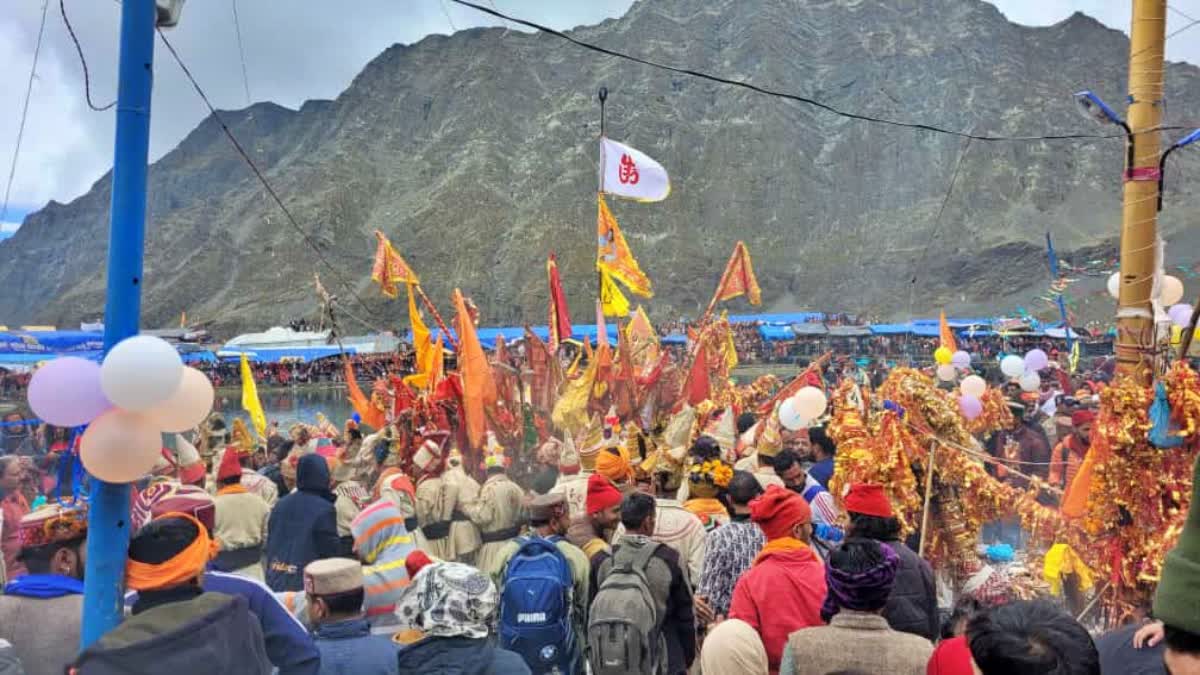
535 606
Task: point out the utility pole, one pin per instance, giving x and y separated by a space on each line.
1136 340
108 513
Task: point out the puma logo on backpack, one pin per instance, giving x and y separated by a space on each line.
624 628
535 606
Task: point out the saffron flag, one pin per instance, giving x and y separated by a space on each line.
390 270
947 335
698 389
560 315
612 300
613 254
250 402
422 345
642 338
371 414
479 388
738 277
731 356
631 173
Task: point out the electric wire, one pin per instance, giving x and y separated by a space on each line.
305 236
12 169
237 27
87 84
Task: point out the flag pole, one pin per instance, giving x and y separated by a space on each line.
602 96
436 316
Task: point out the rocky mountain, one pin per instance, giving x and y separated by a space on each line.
476 153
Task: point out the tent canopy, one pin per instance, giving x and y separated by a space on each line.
774 333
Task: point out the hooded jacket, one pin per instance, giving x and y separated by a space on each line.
460 656
780 594
912 606
302 527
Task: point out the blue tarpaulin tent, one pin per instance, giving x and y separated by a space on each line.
280 354
773 333
785 319
674 339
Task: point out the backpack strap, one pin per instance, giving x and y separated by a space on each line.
641 558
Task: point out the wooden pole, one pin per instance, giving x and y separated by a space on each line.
928 494
436 316
1136 346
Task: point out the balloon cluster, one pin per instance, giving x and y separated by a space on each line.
141 391
950 363
803 408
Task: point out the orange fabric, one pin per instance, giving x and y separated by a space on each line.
387 522
560 314
1074 502
614 465
738 278
185 566
395 478
698 389
947 335
479 387
1062 474
778 510
370 415
706 506
779 546
235 489
388 586
613 254
390 270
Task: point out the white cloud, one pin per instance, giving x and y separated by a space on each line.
9 227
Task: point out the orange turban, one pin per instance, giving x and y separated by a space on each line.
613 464
182 567
778 510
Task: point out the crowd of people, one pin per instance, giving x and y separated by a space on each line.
326 551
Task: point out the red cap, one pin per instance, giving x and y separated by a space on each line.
778 510
416 561
952 657
869 500
230 466
1082 417
601 494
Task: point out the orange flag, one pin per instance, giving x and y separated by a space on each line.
738 277
698 389
560 315
479 388
613 254
947 335
390 270
371 415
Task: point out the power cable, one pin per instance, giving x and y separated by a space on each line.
237 27
87 85
12 170
779 94
266 185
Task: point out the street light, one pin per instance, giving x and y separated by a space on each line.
1093 108
1162 161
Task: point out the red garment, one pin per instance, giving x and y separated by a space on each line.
782 593
14 508
951 657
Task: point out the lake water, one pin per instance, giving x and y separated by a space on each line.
288 405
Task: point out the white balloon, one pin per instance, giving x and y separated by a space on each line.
1114 285
141 372
973 385
1030 382
190 405
1012 365
810 403
946 373
1171 291
120 446
789 417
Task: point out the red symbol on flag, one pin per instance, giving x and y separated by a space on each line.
628 172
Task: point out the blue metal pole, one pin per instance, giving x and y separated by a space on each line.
1062 305
108 517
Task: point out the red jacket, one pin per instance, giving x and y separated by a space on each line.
782 593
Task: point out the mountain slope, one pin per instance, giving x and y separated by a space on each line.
476 154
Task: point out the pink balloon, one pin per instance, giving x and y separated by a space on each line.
188 407
120 446
970 406
1036 360
66 392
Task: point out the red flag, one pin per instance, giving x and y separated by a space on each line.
697 389
738 278
560 316
947 335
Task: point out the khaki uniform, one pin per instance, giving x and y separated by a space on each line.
438 498
241 524
499 512
260 485
574 488
462 530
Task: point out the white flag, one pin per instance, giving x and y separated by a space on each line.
627 172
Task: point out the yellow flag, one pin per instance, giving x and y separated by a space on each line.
422 344
612 300
613 254
390 270
731 357
250 402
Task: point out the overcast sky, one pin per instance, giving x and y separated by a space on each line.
293 51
